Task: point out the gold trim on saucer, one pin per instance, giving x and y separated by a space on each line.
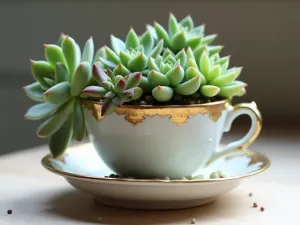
256 157
177 114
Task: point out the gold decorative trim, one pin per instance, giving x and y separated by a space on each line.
255 157
178 114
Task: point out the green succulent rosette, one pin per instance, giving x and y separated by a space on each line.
60 80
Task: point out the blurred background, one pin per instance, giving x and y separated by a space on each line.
260 35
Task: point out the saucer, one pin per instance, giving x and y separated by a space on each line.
83 169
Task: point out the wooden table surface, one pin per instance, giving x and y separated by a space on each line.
39 197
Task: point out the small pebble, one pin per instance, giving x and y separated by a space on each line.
262 209
193 221
255 205
143 103
9 211
148 98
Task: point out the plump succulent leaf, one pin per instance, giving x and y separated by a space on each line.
88 51
121 70
187 22
204 64
213 73
40 111
152 64
179 41
54 54
209 90
107 107
61 73
58 94
147 42
120 86
175 75
107 63
61 138
182 57
81 78
117 44
132 40
79 121
124 58
232 90
70 50
192 72
99 74
162 93
55 122
162 34
189 87
156 78
209 39
95 91
224 79
41 70
138 63
134 80
173 25
35 92
157 49
112 56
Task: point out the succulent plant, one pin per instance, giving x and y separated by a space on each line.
114 89
183 34
131 55
60 80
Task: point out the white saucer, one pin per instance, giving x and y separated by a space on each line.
84 170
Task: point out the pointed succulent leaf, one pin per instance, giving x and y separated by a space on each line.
61 73
166 68
156 78
107 63
49 81
111 56
35 92
58 94
111 75
162 93
138 63
166 53
214 58
209 39
189 87
152 65
158 60
199 30
147 42
213 73
179 41
120 86
231 90
99 74
187 22
162 66
175 75
190 54
162 34
121 70
214 49
54 54
81 78
170 59
100 53
137 93
95 91
54 123
60 140
107 107
62 36
119 77
204 63
192 72
209 90
157 49
173 25
134 80
191 63
198 51
222 60
237 71
70 50
194 42
224 67
224 79
40 111
88 51
117 44
117 101
183 58
124 58
40 70
132 40
79 127
152 31
107 85
203 79
146 87
110 94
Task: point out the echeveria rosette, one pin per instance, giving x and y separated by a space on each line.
131 55
217 79
114 89
59 82
171 74
183 34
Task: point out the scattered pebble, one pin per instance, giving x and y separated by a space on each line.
262 209
143 103
9 211
255 205
193 221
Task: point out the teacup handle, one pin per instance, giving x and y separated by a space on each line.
251 110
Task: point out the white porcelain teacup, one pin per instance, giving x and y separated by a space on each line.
172 141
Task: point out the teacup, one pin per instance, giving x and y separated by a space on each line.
165 141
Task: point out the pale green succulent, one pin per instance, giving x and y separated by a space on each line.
183 34
131 55
114 89
60 80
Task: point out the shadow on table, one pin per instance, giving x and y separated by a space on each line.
78 206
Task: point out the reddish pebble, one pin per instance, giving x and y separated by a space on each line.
262 209
9 211
254 205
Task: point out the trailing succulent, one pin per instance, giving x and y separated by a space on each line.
60 80
160 67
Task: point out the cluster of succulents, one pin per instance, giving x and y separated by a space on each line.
160 65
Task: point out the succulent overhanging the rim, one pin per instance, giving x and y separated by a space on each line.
60 80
